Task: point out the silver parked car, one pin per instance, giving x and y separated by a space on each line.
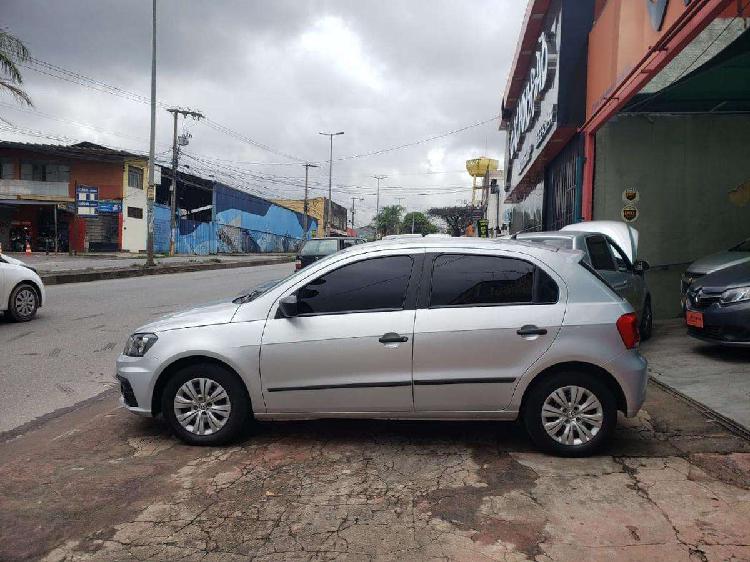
455 328
610 247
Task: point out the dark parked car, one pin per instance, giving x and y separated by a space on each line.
718 306
315 248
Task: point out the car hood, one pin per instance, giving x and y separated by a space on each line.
13 261
220 313
727 278
624 235
720 260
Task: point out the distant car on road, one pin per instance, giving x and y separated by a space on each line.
718 306
459 328
21 289
715 262
610 247
316 248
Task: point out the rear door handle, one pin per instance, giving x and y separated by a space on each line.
531 330
393 337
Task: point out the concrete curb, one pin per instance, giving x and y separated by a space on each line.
728 423
84 276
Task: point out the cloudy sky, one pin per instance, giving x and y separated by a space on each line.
277 72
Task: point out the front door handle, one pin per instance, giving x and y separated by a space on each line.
531 330
393 337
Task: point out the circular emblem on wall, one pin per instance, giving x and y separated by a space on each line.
629 213
630 195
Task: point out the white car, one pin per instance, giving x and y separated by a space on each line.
21 289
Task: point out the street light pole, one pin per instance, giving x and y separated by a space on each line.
377 196
398 225
151 193
304 208
353 200
330 180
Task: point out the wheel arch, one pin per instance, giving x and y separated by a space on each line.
581 367
32 284
183 362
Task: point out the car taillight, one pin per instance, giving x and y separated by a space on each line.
627 325
298 265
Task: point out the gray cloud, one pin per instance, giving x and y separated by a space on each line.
386 72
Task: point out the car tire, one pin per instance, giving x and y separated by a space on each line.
197 418
647 321
552 439
23 303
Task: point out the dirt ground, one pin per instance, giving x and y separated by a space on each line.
97 483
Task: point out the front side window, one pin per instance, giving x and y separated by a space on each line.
373 284
599 254
135 177
472 280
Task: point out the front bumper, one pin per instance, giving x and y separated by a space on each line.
137 379
725 325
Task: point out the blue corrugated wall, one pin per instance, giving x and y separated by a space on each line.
243 223
161 229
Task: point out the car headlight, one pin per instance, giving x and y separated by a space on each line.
139 344
731 296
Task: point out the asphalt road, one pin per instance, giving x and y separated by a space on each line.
67 353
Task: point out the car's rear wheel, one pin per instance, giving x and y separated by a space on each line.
570 414
647 321
205 404
23 303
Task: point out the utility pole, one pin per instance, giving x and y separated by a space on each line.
330 176
176 111
377 197
151 193
353 200
398 224
304 208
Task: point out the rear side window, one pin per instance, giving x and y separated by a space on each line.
373 284
601 258
471 280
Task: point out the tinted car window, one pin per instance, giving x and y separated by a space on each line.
601 259
319 247
545 288
373 284
461 280
565 243
622 261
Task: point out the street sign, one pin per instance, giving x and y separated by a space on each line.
484 228
110 207
87 200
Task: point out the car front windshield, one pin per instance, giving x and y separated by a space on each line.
319 247
741 247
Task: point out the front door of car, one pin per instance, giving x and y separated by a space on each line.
634 286
483 321
349 348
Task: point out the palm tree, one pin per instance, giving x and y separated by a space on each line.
12 52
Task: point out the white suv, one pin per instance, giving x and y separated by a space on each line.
21 289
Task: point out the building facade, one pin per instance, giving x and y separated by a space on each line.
84 197
661 142
317 207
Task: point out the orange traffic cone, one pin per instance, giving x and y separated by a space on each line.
28 249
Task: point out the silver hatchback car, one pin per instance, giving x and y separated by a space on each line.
460 328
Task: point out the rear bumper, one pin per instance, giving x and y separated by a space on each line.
631 371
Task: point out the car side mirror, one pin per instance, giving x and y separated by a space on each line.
289 306
641 266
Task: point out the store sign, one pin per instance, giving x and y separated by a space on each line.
110 207
541 77
87 200
629 213
484 228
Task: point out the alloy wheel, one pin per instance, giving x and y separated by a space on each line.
572 415
25 302
202 406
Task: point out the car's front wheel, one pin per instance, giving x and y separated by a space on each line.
570 414
23 303
205 404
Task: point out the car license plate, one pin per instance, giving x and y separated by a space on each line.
694 319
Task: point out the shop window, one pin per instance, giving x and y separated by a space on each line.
6 169
135 212
44 171
135 177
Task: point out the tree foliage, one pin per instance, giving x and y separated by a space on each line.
422 224
388 220
12 53
457 218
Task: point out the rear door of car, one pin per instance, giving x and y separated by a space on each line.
482 321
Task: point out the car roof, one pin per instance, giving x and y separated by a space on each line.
464 243
549 234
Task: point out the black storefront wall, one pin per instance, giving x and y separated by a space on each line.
563 183
558 109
